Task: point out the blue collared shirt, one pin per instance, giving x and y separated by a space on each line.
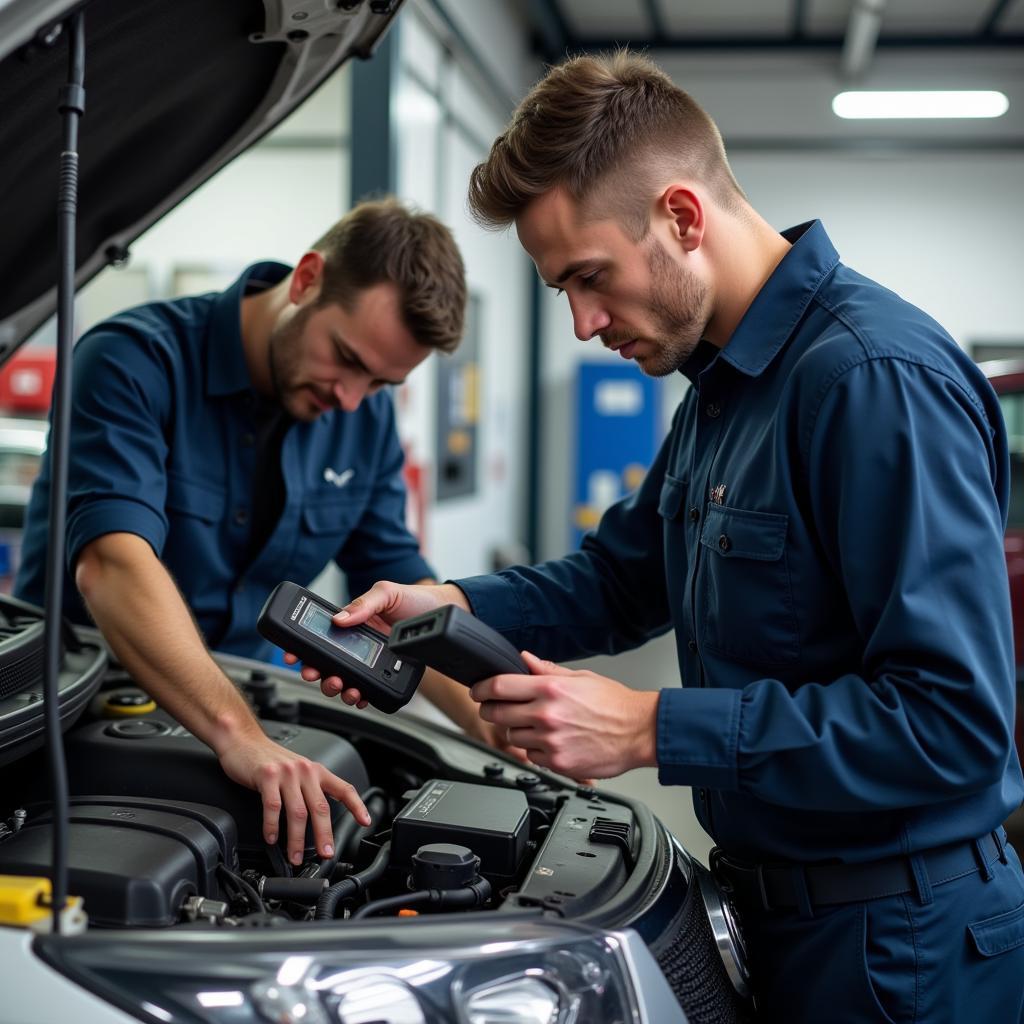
823 529
163 445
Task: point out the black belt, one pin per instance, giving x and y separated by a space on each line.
805 886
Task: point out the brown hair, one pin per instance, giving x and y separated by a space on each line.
613 126
380 240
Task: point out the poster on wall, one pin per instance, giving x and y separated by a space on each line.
617 435
458 412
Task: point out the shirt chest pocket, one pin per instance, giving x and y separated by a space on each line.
336 518
325 525
670 501
192 499
748 613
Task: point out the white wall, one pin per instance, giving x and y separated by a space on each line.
943 230
435 158
270 203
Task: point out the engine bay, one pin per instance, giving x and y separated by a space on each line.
160 838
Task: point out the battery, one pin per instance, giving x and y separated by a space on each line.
493 821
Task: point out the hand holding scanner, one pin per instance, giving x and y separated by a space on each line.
457 644
299 621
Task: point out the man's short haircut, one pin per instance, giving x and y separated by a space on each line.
610 128
380 240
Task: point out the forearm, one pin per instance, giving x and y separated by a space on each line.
144 619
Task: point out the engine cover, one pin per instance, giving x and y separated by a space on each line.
154 756
134 863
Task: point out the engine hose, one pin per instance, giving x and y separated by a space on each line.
473 895
352 885
241 885
297 890
348 828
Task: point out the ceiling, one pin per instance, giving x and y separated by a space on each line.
575 25
767 69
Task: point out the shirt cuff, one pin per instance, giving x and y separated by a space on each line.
698 736
493 600
113 515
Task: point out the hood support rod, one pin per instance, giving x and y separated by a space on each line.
71 107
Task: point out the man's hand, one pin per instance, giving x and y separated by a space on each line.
287 780
380 607
145 621
575 723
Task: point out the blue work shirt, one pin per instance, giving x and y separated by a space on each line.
163 445
823 529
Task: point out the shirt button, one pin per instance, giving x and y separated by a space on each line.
239 586
712 410
241 516
248 439
724 543
691 646
694 514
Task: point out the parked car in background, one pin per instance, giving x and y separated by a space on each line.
1007 378
22 443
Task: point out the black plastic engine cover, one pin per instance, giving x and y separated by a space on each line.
493 821
153 756
134 863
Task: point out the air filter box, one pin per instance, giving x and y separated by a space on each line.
134 863
491 820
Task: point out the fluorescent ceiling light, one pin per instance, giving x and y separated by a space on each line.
920 104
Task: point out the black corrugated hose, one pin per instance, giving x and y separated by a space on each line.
352 885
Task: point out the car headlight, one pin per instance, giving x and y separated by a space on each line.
413 972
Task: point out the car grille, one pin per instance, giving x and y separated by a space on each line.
691 963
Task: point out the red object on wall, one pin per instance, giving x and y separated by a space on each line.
26 382
415 476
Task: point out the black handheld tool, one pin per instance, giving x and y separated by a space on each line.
299 621
457 644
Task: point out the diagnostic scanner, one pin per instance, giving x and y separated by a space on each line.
457 644
299 621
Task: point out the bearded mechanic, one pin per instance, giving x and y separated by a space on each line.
224 442
822 528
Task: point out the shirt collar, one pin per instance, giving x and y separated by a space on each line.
777 308
226 369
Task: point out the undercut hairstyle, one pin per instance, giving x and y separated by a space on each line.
379 241
610 130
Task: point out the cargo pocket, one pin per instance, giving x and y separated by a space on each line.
999 934
748 613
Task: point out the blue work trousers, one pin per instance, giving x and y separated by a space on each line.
954 957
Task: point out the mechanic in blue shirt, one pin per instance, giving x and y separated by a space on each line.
222 443
823 530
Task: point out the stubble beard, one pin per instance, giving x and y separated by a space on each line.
679 306
284 356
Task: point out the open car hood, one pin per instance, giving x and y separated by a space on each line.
174 90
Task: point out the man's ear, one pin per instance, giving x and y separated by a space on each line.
683 210
306 278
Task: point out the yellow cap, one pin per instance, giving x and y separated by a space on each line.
25 903
127 704
23 900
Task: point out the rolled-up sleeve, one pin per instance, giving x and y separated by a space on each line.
117 479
